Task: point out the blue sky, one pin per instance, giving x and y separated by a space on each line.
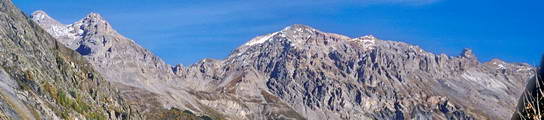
183 32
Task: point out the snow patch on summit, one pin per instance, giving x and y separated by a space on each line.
39 15
368 41
499 63
55 28
260 39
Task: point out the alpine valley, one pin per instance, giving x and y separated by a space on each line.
87 70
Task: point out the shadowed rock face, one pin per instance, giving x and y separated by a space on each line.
303 73
531 103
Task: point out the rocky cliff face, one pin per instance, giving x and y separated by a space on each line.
303 73
42 79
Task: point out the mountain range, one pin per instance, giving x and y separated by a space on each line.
298 72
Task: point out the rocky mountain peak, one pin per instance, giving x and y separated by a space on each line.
54 27
368 37
296 35
467 53
94 21
298 28
39 12
293 30
299 32
94 16
42 16
367 41
95 39
496 61
91 25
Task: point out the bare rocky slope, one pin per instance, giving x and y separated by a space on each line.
42 79
302 73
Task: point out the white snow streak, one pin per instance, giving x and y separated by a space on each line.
260 39
368 41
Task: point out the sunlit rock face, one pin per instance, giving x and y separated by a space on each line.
326 75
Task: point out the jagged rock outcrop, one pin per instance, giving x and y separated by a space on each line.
303 73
